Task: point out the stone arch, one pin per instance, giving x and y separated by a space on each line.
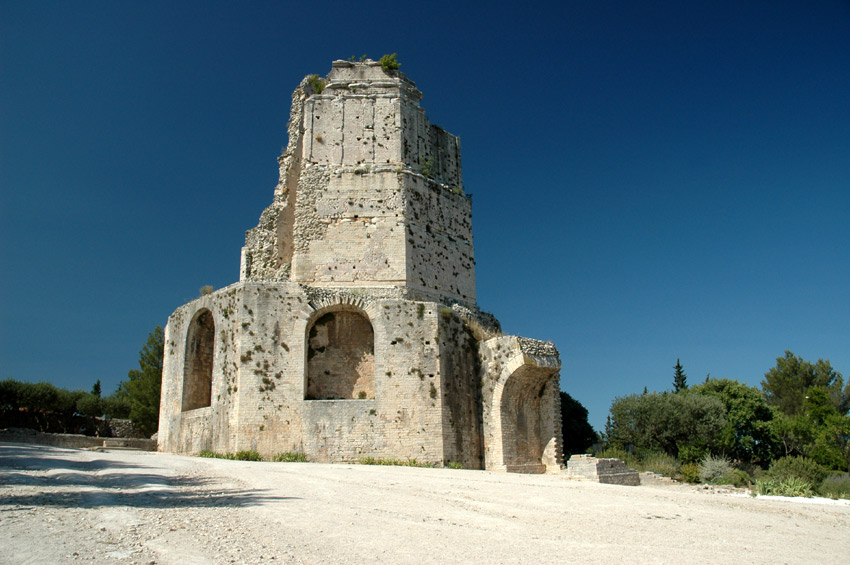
525 432
340 352
198 367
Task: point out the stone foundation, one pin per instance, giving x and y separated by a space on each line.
608 471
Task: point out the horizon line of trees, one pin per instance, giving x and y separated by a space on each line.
47 408
802 409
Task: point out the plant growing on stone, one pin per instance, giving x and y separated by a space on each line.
316 83
427 165
390 62
206 289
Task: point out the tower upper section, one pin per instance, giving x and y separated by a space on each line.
370 193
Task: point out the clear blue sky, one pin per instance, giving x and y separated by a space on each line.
651 180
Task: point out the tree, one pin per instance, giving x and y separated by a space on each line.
95 390
89 405
786 385
143 388
680 379
578 433
747 434
666 422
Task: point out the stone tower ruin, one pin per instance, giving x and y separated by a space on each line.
353 330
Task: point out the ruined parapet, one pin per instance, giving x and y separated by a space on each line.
370 193
608 471
521 411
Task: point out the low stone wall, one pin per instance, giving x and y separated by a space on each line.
608 471
74 441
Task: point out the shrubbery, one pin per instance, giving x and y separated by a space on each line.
248 455
790 486
714 469
690 473
797 467
836 485
289 457
661 464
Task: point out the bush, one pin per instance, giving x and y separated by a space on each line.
289 457
661 464
666 422
836 485
238 456
797 467
713 468
690 473
393 462
737 478
791 486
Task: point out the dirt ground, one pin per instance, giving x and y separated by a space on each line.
67 506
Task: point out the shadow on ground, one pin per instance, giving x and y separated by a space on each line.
103 482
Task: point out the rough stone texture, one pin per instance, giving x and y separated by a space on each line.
353 330
609 471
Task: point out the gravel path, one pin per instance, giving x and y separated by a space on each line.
67 506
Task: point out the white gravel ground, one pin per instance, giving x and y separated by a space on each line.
66 506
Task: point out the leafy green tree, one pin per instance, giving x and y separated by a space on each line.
832 444
747 434
578 433
89 405
142 390
666 422
792 433
10 395
787 384
95 390
116 405
680 379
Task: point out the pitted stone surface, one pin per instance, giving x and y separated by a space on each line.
354 331
608 471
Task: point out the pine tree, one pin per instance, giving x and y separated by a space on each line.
142 390
680 379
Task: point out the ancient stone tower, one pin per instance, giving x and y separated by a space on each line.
353 331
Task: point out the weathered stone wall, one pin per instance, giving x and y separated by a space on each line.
260 375
461 392
608 471
353 330
370 193
439 254
521 422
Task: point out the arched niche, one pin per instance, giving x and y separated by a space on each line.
340 356
197 371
